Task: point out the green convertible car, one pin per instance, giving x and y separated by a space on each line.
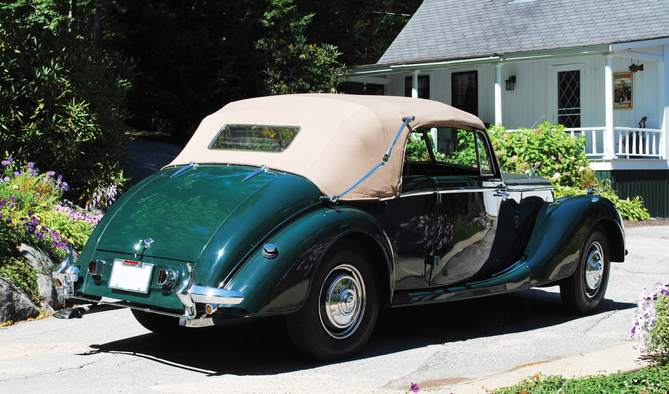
325 208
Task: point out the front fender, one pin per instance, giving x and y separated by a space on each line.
560 230
280 285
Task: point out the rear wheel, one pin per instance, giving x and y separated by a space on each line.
584 290
159 324
340 311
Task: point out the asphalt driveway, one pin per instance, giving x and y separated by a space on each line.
451 347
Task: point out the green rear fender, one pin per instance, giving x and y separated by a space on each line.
560 230
280 285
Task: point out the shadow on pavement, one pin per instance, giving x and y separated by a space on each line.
263 347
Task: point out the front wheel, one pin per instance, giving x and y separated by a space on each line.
583 291
340 311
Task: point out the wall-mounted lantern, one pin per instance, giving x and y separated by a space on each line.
511 82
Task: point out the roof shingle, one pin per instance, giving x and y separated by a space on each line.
456 29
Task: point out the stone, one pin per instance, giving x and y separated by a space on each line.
48 292
38 259
14 305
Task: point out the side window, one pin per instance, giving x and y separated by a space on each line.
484 155
447 151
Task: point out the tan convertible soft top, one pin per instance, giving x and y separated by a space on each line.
342 138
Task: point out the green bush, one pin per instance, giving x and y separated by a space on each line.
61 104
632 210
553 153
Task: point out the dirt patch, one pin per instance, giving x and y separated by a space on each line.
650 222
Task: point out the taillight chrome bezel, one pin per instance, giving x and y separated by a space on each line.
166 278
96 268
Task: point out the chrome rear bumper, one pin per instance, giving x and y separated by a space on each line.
190 295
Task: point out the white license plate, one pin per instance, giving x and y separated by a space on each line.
131 275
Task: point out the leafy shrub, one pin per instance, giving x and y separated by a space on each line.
61 104
651 323
22 277
553 153
31 212
632 210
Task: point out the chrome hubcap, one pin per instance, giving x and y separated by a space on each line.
342 301
594 268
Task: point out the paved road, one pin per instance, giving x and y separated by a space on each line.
435 346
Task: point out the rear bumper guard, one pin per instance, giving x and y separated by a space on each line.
190 295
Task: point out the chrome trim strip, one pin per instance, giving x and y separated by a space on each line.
192 165
263 168
214 295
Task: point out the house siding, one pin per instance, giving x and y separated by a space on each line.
652 185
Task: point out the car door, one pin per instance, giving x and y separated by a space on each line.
409 219
473 224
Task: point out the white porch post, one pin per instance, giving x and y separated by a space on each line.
609 135
498 94
414 83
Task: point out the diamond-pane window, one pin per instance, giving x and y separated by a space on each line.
569 98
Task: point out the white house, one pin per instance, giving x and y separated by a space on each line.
599 67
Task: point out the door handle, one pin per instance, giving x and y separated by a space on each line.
501 193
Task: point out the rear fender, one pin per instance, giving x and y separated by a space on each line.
560 230
280 285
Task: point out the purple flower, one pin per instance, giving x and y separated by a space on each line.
9 220
414 388
6 179
31 165
12 198
39 235
50 173
16 174
7 162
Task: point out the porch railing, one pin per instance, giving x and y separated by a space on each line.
639 143
631 143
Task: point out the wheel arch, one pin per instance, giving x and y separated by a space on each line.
615 236
560 231
280 285
382 263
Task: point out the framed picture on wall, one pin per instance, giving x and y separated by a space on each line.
622 90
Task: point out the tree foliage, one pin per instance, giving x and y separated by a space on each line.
61 103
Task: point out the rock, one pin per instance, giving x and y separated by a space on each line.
14 305
42 263
39 260
48 292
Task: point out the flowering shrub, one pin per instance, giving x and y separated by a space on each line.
651 323
31 212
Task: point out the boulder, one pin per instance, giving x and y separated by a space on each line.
14 305
48 292
38 259
42 263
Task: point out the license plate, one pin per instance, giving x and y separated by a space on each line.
131 275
